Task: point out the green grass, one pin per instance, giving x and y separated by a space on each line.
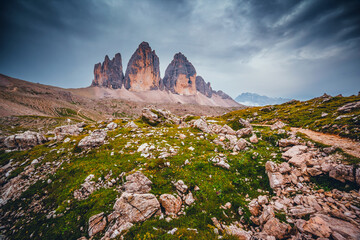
307 114
245 178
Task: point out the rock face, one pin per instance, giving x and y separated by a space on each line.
180 76
110 73
24 140
203 87
143 70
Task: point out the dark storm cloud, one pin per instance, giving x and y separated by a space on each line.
286 48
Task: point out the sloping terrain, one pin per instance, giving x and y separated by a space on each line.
336 115
166 177
22 98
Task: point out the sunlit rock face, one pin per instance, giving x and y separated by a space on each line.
180 76
143 71
203 87
110 73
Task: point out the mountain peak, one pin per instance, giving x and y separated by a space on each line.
110 73
180 76
143 70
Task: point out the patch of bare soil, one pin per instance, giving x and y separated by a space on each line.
347 145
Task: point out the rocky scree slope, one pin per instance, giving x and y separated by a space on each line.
164 177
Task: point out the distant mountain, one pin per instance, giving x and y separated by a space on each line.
254 99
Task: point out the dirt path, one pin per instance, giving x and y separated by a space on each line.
347 145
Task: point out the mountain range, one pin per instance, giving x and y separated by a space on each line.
142 75
254 99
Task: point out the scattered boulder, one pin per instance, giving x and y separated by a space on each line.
254 139
220 161
342 173
189 198
24 140
137 183
227 130
277 125
137 207
66 130
131 124
318 227
349 107
293 151
277 229
181 187
95 139
202 125
150 116
111 126
288 142
97 223
171 204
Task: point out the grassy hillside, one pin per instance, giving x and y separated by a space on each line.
48 209
318 114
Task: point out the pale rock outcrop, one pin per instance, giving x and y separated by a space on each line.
63 131
349 107
24 140
111 126
95 139
137 207
97 223
220 161
131 124
277 125
137 183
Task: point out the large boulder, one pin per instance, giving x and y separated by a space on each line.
342 173
318 227
341 229
97 223
95 139
150 116
202 125
171 204
137 183
137 207
277 229
349 107
63 131
277 125
24 140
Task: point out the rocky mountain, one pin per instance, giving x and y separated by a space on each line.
180 76
203 87
143 70
254 99
179 85
110 73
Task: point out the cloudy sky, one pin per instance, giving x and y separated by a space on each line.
283 48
